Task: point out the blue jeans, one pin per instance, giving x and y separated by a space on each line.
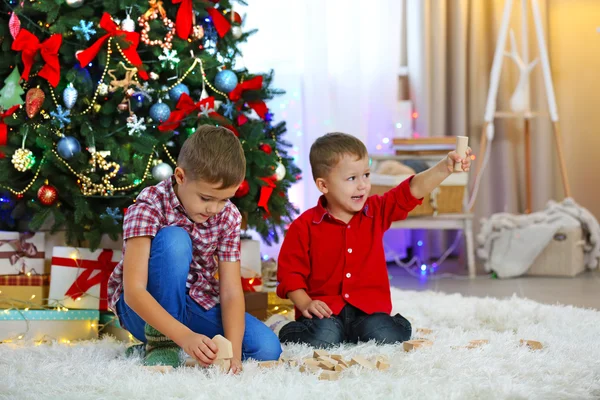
351 325
168 267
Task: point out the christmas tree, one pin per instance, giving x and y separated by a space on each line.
113 88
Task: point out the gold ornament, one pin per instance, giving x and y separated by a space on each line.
23 159
106 188
126 82
97 107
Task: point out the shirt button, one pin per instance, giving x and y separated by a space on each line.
348 226
349 250
346 295
348 275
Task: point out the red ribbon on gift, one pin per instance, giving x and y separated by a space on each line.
4 127
185 106
250 284
22 249
219 21
112 29
85 281
265 194
253 84
29 45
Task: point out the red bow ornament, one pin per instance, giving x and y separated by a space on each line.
4 127
253 84
185 106
29 45
107 23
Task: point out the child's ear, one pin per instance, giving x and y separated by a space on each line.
179 175
322 185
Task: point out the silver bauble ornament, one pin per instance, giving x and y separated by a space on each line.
236 32
128 25
162 171
160 112
74 3
280 171
70 96
226 80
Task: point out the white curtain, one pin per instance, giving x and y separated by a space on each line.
338 62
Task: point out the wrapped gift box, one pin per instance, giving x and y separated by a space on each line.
257 304
24 291
22 253
277 305
49 325
80 277
250 258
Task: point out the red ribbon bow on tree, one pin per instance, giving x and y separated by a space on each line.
185 19
106 23
104 265
29 45
4 128
185 106
253 84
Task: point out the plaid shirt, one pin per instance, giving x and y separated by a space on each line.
157 207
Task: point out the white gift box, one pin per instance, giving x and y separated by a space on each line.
22 253
79 277
250 258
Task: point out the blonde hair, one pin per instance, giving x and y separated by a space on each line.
327 151
215 155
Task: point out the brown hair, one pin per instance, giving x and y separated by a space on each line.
215 155
327 151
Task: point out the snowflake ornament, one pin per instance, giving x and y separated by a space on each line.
85 29
62 116
229 108
135 125
205 110
169 57
113 213
144 91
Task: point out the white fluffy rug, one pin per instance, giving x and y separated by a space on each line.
567 368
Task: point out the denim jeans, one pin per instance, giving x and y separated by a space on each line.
170 258
350 326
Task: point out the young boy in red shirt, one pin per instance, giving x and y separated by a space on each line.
332 264
177 235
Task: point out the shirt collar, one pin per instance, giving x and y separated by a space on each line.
321 210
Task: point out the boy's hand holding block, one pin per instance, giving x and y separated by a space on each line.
225 348
462 142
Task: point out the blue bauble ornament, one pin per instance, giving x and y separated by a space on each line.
67 147
160 112
226 80
177 91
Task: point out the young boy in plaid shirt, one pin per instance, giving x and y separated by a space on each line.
332 264
177 235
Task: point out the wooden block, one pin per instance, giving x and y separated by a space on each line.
424 331
320 353
311 361
336 357
473 344
382 365
268 364
190 362
462 143
339 368
363 362
326 365
223 364
293 363
224 345
329 376
383 358
309 368
328 359
532 344
159 368
410 345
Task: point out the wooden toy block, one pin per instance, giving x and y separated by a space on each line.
320 353
159 368
383 358
410 345
477 343
329 376
363 362
336 357
382 365
311 361
423 331
343 363
223 364
224 345
293 363
339 368
462 143
328 359
309 368
326 365
190 362
268 364
532 344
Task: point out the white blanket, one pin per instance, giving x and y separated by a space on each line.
509 244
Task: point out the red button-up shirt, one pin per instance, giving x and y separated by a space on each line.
341 263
